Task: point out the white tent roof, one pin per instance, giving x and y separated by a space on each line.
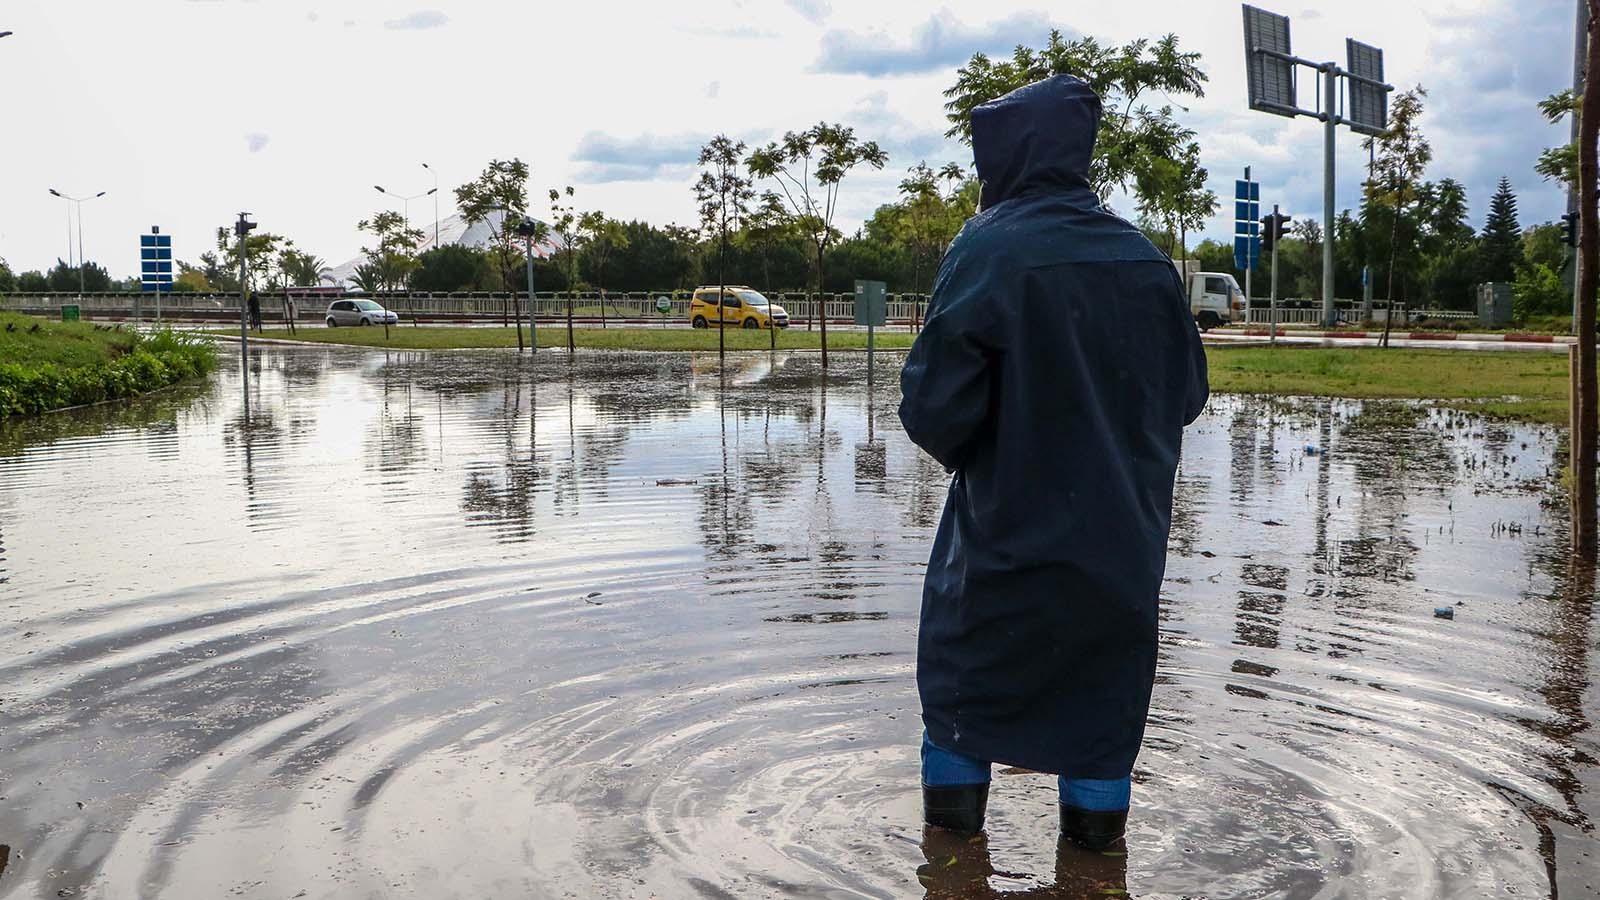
452 230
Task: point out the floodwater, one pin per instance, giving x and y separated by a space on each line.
628 626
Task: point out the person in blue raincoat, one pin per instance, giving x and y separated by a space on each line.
1054 377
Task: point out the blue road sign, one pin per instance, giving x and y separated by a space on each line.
1246 224
155 261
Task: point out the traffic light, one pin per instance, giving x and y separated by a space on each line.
1569 229
1273 228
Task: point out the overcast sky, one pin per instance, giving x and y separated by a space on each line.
188 111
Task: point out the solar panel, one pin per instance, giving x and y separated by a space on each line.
1271 79
1369 103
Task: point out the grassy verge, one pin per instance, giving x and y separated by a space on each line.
406 337
1529 386
51 365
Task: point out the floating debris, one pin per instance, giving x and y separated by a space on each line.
1444 612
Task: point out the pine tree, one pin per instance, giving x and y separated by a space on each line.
1502 237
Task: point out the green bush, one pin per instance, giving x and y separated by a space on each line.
154 361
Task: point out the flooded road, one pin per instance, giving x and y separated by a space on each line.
428 625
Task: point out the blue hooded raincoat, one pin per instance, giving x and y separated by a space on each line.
1057 369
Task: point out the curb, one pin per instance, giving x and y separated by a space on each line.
1417 336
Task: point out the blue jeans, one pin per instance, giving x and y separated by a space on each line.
942 767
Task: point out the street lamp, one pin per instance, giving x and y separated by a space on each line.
407 202
435 193
78 201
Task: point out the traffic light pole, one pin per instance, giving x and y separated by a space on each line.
242 229
1273 303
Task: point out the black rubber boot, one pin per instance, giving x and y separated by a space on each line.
1092 830
957 807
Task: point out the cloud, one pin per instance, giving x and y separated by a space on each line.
256 141
907 143
939 43
647 157
735 32
814 11
421 19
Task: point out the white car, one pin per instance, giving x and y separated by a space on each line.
359 312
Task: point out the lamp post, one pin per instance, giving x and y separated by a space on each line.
77 201
435 193
406 202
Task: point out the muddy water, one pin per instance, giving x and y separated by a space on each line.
427 626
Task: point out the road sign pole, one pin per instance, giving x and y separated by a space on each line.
1330 131
1250 269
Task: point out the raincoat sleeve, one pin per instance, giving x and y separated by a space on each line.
946 385
1199 387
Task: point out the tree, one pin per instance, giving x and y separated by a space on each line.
66 279
501 188
808 167
564 221
724 195
394 251
767 231
926 219
453 267
1559 163
303 269
8 281
602 237
368 278
1402 156
652 259
1586 424
1502 237
1134 142
33 282
265 255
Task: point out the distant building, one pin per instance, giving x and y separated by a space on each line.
452 230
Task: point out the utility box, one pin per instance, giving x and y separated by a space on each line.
1494 304
70 312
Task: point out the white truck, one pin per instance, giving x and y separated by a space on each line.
1215 299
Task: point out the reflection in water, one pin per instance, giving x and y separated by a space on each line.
415 614
958 867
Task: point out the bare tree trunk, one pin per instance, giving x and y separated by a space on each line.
1394 235
1584 438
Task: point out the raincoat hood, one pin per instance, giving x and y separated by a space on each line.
1040 136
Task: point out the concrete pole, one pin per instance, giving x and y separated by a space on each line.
1330 99
1580 54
